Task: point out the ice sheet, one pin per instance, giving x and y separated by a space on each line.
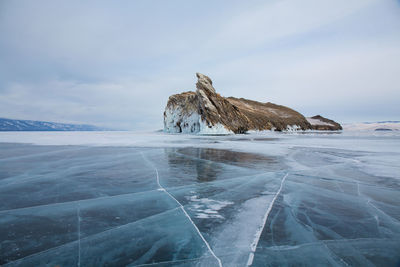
139 199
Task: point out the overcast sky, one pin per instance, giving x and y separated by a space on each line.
114 63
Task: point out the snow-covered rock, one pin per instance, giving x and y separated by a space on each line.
206 112
320 123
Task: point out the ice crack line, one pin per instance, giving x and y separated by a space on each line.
79 235
161 188
254 245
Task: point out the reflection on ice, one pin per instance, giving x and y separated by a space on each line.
300 200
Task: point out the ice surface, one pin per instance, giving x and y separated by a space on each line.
151 199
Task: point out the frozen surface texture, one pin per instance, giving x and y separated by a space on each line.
265 199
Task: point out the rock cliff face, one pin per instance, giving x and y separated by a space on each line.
206 112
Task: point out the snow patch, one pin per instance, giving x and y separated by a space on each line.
217 129
176 121
206 208
318 122
293 128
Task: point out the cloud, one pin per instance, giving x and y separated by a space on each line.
115 64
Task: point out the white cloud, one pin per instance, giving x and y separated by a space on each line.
279 19
115 64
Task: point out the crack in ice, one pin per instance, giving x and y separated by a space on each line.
40 154
211 161
86 238
124 194
79 235
301 174
170 262
161 188
254 245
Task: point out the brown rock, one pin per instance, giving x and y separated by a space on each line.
207 112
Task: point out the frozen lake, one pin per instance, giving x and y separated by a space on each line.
150 199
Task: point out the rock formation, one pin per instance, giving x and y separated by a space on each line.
323 124
206 112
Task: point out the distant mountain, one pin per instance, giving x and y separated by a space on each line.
28 125
382 122
373 126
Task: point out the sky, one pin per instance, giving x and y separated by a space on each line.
115 63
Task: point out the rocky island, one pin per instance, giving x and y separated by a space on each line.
207 112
